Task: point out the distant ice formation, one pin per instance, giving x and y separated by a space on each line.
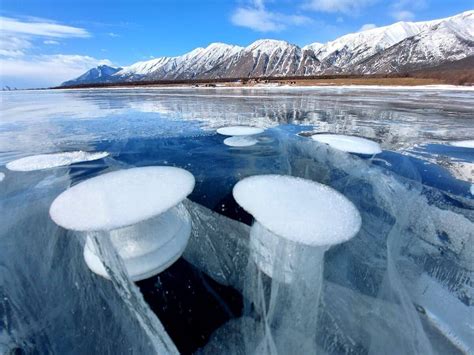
350 144
46 161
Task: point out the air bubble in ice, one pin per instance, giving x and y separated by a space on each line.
46 161
2 176
464 144
239 130
240 141
297 220
146 248
319 215
121 198
350 144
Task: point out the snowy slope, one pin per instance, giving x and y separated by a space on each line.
449 40
186 66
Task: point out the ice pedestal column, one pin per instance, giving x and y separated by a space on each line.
284 284
296 222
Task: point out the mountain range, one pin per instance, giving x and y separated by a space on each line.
400 47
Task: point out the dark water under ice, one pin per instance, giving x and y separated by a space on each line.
414 251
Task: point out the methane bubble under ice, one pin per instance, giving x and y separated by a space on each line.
297 221
138 209
240 141
121 198
464 144
2 176
319 215
350 144
47 161
239 130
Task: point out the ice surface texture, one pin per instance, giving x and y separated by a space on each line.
46 161
121 198
239 130
319 215
240 141
349 144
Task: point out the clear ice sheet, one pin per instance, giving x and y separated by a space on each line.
402 285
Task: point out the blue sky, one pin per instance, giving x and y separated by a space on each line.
45 42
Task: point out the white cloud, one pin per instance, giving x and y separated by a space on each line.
343 6
45 70
258 18
367 26
40 28
112 34
11 46
405 10
51 42
403 15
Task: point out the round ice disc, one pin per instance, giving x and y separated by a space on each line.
299 210
463 144
46 161
239 130
349 144
240 141
121 198
147 248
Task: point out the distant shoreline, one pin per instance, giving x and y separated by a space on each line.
443 76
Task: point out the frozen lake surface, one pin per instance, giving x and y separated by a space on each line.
402 285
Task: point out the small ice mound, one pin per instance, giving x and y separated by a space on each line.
472 189
240 141
146 248
463 144
121 198
46 161
2 176
299 210
239 131
350 144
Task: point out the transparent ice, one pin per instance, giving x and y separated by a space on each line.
402 285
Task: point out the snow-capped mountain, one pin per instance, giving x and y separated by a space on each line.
398 47
187 66
444 41
100 74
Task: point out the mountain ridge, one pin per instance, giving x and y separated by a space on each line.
388 49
